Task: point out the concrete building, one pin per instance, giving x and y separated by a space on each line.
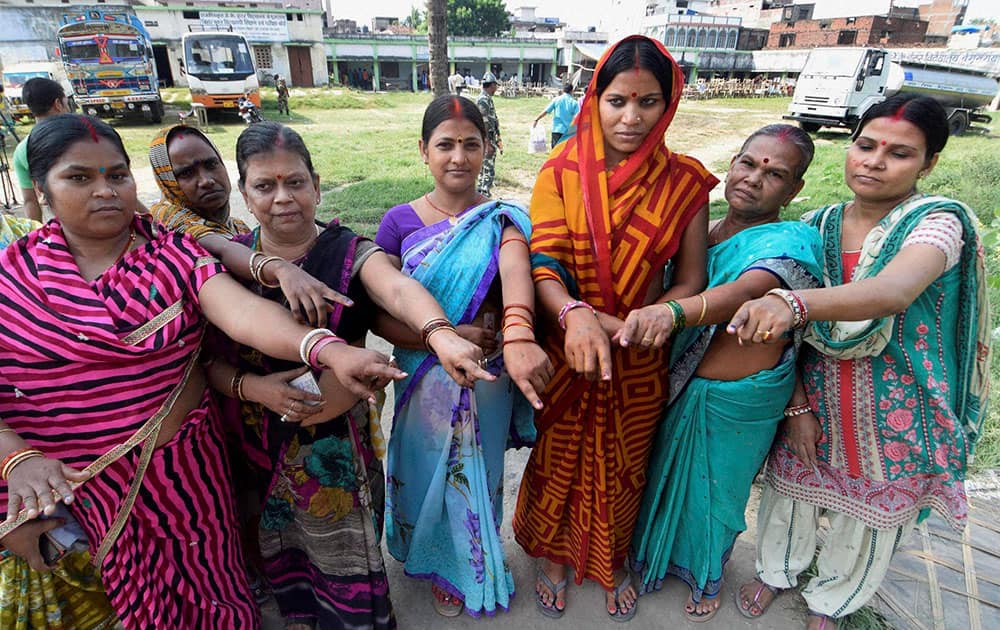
941 17
798 29
401 62
288 42
526 24
753 14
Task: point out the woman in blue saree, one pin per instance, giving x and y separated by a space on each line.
726 400
445 467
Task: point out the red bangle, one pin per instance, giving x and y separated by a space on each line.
519 240
16 457
515 324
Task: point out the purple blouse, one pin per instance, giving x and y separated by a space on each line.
396 225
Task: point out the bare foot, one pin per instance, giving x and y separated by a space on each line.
556 573
755 597
626 600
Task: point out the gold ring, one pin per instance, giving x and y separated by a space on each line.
766 335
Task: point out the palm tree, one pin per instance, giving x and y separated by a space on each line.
437 37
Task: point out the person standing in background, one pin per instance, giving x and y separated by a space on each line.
493 141
44 97
282 88
565 108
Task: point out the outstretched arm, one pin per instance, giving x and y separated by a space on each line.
891 291
253 321
647 326
409 302
308 298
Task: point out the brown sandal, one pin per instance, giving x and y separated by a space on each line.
755 602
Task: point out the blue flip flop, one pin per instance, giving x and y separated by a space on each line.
551 611
618 615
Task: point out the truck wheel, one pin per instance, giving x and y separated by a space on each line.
157 112
810 127
958 123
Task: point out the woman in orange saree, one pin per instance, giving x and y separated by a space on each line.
616 217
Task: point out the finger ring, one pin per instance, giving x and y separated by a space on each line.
482 362
766 335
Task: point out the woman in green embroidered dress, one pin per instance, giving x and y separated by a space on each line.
894 378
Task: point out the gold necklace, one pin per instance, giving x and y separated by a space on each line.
452 217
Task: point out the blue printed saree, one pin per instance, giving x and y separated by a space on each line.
445 466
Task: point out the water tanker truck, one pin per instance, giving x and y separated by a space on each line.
838 85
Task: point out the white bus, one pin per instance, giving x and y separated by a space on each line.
220 68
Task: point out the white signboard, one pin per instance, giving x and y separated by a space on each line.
257 27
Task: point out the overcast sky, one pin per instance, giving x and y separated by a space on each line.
581 13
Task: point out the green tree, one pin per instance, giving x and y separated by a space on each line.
417 20
478 18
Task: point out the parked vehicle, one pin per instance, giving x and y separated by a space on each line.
220 70
838 85
249 112
16 75
108 58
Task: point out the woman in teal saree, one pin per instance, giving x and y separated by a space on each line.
726 402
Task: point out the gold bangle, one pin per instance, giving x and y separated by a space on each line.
704 309
427 340
236 383
260 271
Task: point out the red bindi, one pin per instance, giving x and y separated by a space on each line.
766 160
634 95
279 177
883 143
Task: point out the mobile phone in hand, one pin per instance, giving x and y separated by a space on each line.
307 383
51 549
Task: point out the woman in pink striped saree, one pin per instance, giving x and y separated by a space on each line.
103 402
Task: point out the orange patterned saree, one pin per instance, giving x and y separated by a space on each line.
605 235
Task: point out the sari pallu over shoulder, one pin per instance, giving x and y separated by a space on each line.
173 209
96 360
605 235
693 507
900 399
445 457
610 232
850 340
452 266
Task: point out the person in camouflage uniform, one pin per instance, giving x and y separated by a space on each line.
282 89
493 141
